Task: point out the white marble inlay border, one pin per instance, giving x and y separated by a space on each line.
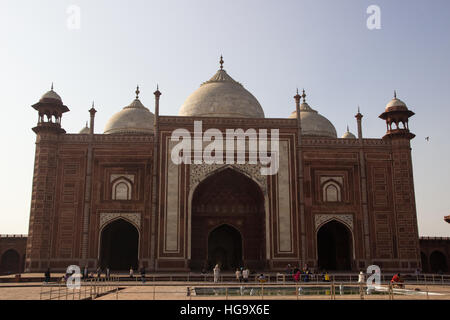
321 219
106 217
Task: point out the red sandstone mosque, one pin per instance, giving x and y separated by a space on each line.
117 200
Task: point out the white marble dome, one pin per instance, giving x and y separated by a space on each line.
314 124
221 96
396 104
133 119
85 130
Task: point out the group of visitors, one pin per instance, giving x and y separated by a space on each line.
298 274
242 274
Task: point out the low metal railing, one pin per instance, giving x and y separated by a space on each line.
89 289
293 291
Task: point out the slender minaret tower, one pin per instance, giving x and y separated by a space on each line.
155 188
300 175
363 190
88 192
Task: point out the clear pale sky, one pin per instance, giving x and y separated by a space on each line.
271 47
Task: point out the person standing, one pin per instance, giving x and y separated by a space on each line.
238 275
131 273
143 274
288 270
326 277
85 272
245 274
216 272
47 275
107 273
297 276
361 277
99 272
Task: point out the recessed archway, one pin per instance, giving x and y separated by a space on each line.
438 262
10 262
119 246
230 198
334 247
225 248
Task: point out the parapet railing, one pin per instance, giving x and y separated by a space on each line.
272 291
156 287
89 289
286 278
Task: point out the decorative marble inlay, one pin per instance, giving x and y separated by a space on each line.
339 179
200 171
127 176
321 219
106 217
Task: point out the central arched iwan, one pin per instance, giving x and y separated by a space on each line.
228 197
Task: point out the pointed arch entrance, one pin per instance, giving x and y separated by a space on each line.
119 245
438 262
10 262
227 208
334 247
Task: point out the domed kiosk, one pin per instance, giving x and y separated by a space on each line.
222 96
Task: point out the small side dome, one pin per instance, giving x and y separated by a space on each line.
52 95
348 135
133 119
396 104
314 124
85 130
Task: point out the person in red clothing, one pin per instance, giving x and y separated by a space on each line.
397 281
297 276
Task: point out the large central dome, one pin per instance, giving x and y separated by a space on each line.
221 96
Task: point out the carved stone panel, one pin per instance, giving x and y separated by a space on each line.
200 171
106 217
321 219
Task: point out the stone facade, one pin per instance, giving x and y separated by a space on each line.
57 214
94 193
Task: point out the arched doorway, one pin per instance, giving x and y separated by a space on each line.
225 248
438 262
119 246
334 247
10 262
224 199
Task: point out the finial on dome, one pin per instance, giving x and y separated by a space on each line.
304 96
86 125
297 97
221 62
348 130
137 92
157 93
359 110
52 87
395 94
